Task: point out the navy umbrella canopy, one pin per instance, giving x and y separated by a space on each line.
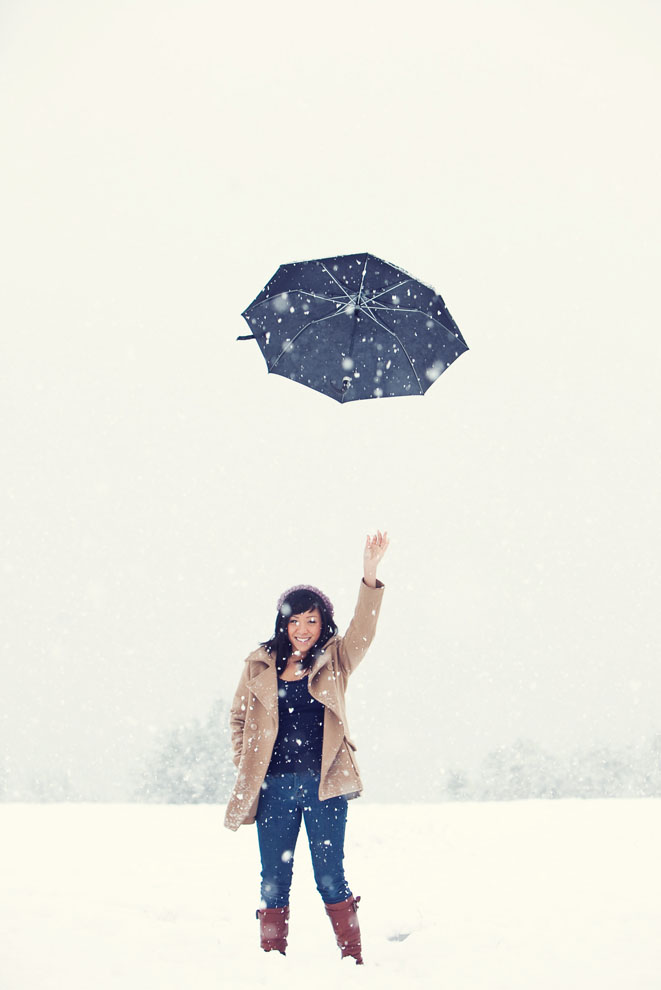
353 327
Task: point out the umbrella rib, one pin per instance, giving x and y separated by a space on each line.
391 288
396 309
336 281
315 295
408 357
357 308
401 309
329 316
362 279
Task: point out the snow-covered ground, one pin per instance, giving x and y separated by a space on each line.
534 895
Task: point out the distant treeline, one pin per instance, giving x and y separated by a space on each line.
191 764
525 770
194 765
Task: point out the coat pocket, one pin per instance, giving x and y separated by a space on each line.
351 753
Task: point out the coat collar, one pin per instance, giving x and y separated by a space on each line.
264 684
323 658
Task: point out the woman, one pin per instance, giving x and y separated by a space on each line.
293 751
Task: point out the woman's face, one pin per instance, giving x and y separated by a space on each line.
304 630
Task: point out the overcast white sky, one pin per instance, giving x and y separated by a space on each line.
159 489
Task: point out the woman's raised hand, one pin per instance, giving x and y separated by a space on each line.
375 547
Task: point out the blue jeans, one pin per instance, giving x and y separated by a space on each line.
285 799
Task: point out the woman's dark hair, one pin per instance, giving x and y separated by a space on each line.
295 603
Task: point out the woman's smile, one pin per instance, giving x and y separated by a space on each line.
304 630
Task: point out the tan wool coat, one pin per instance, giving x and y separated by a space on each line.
254 713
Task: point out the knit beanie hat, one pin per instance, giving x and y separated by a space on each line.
306 587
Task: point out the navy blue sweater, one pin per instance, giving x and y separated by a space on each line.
300 731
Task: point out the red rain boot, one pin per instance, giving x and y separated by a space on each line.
345 925
273 928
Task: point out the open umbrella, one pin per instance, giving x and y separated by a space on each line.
353 327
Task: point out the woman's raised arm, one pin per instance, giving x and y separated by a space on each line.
375 547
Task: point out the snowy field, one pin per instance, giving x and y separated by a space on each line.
560 895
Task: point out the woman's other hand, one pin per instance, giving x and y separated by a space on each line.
375 547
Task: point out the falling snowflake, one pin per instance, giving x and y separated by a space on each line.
281 303
436 369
